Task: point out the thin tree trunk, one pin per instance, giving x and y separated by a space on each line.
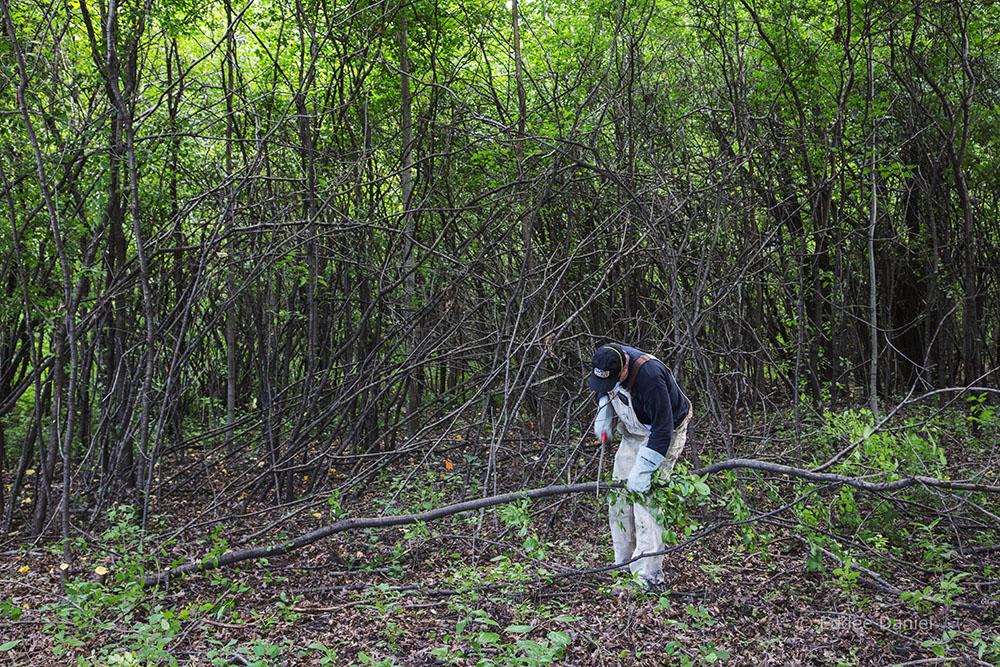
414 378
872 218
231 342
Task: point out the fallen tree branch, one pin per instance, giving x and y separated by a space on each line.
281 548
856 482
216 561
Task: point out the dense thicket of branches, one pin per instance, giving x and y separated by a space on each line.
290 235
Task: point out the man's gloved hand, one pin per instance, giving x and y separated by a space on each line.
646 463
602 423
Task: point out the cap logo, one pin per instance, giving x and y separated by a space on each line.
601 373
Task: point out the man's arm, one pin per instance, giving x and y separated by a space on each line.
656 401
656 404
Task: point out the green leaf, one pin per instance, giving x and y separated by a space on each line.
487 621
519 629
491 638
6 646
559 638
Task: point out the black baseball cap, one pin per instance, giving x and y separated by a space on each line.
605 367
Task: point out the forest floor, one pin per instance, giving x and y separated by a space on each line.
476 589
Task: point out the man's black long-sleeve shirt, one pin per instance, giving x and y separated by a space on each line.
657 400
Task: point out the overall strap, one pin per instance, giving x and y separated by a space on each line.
633 371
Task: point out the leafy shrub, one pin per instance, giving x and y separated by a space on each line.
909 450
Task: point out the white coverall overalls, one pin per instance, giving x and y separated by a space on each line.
634 529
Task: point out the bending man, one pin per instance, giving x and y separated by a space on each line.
653 415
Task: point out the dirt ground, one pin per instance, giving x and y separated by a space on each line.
464 592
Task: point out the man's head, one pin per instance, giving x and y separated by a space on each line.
606 367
